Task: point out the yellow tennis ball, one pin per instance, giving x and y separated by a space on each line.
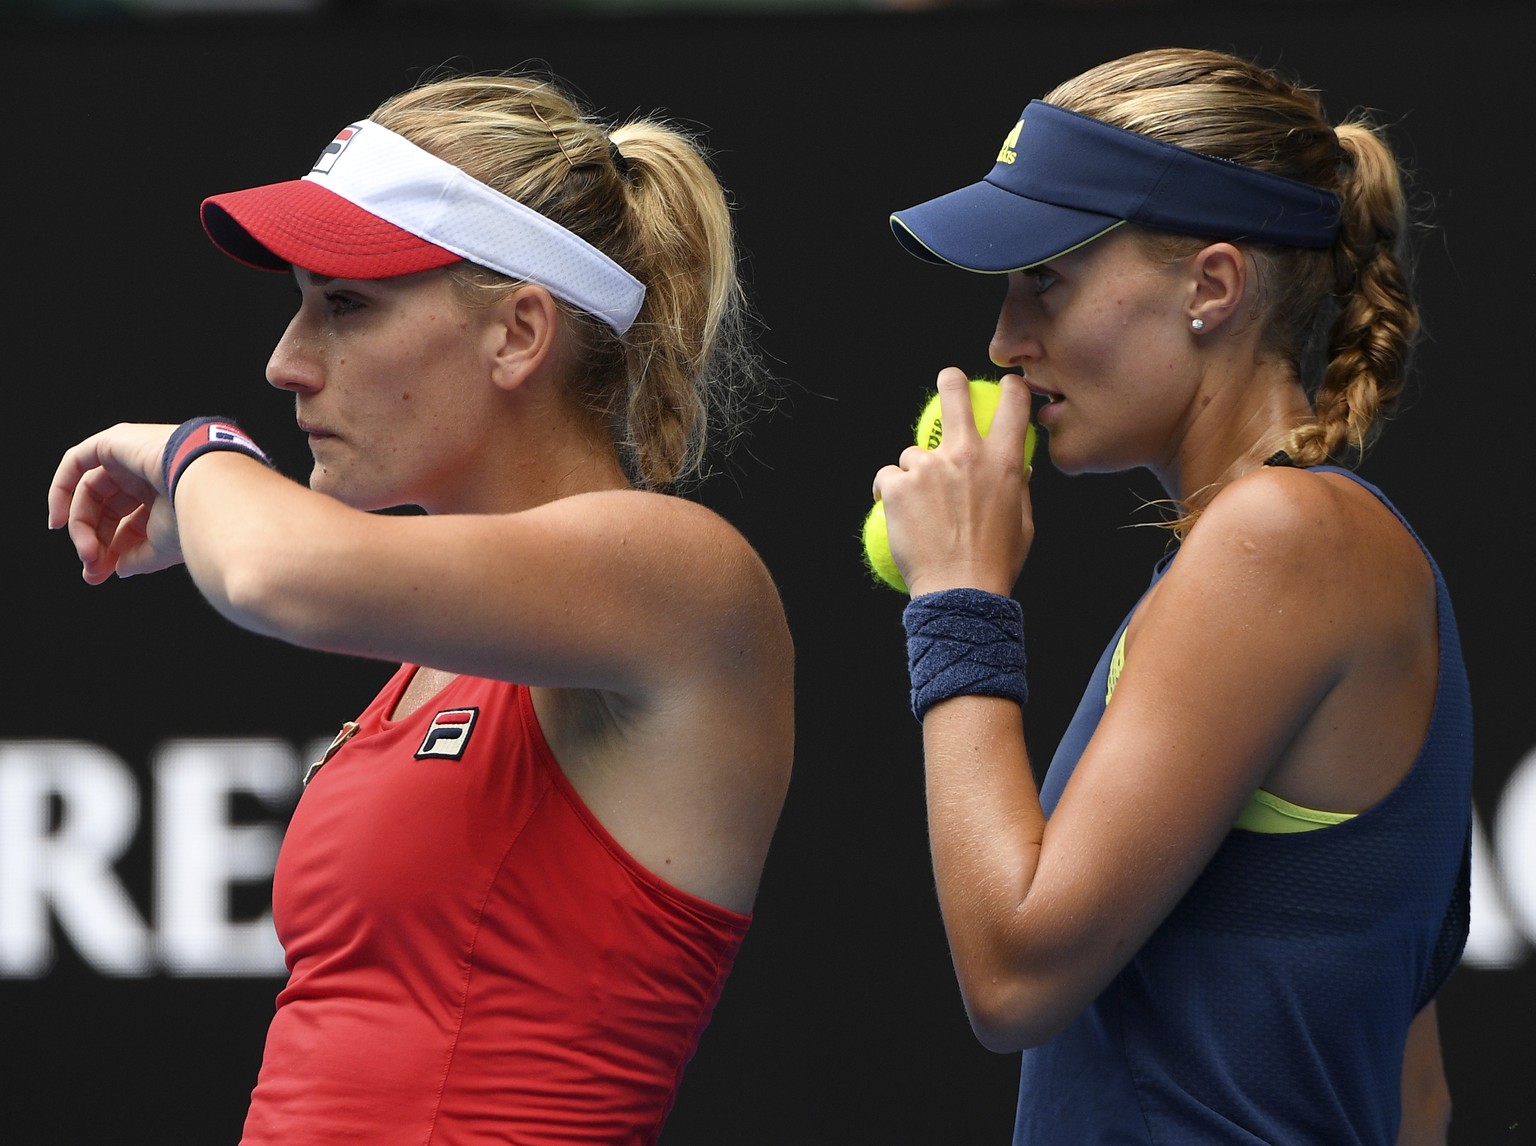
877 549
985 395
929 432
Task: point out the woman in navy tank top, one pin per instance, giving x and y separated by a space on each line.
1225 913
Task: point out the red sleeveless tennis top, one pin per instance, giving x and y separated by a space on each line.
472 958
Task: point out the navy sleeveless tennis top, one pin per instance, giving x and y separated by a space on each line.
1272 1005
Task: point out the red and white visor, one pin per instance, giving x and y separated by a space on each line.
375 205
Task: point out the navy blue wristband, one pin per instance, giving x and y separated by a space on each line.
964 642
194 438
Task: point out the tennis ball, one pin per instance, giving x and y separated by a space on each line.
877 549
929 432
985 395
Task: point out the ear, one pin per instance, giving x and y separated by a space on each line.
522 334
1218 284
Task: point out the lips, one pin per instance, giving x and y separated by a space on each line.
1044 400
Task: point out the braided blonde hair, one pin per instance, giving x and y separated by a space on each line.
1345 318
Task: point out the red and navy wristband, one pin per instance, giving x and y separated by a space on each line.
194 438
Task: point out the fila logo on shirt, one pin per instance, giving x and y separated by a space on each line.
449 734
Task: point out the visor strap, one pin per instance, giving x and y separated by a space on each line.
391 178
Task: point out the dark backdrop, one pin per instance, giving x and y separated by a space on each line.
842 1023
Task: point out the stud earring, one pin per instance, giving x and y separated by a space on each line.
1197 324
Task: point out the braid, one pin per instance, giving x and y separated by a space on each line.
1377 320
1343 318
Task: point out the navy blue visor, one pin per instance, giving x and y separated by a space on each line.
1063 179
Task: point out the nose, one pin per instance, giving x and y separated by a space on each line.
1014 344
294 366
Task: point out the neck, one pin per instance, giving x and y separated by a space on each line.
530 455
1240 427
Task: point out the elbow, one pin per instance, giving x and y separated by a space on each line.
998 1038
1021 994
249 595
1011 1017
282 570
1426 1117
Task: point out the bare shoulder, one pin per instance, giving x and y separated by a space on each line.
662 522
1300 601
1339 582
1303 522
694 578
687 763
702 557
1277 506
1316 558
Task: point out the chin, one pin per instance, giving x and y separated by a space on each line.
1069 465
325 481
1065 461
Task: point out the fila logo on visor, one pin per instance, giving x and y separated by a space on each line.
449 734
332 153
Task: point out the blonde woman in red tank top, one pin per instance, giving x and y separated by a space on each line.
512 891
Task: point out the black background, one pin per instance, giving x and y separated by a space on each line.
842 1023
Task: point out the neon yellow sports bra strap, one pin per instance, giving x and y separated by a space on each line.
1268 813
1116 663
1264 812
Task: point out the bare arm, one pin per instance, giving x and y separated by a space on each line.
1042 915
1233 650
597 591
1426 1094
648 609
